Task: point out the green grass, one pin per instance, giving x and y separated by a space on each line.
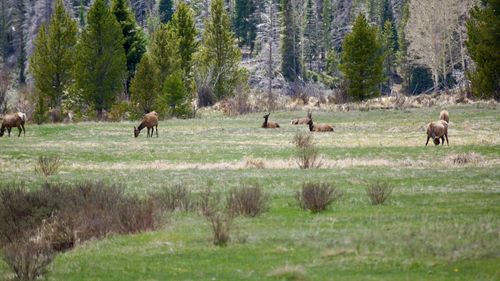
442 221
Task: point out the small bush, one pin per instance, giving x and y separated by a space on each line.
464 158
48 165
174 198
378 192
28 259
210 202
221 227
316 197
248 201
306 154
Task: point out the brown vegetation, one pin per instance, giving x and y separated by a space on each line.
306 152
378 192
317 196
150 121
47 165
248 200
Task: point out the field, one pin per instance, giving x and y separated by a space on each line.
442 221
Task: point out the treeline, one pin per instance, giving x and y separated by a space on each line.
94 55
112 59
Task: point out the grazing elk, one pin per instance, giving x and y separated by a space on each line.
437 130
319 127
150 121
13 120
269 125
302 121
444 115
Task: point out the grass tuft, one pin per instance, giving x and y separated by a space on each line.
378 192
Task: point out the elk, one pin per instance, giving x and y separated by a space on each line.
319 127
13 120
303 120
444 115
269 125
437 130
150 121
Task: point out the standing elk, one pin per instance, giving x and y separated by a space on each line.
13 120
437 130
150 121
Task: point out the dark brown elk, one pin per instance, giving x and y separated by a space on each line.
302 121
437 130
149 121
319 127
268 124
13 120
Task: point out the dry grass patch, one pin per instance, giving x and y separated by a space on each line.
47 165
289 272
254 163
464 158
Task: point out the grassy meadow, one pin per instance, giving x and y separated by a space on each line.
442 221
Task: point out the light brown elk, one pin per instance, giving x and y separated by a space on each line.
444 115
268 124
302 121
437 130
319 127
13 120
149 121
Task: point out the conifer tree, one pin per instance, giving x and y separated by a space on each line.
164 50
388 15
101 61
362 61
388 45
144 87
483 29
134 38
327 22
291 63
219 55
311 36
54 56
174 96
166 10
244 22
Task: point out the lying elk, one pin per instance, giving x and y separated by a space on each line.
319 127
268 124
302 121
150 121
13 120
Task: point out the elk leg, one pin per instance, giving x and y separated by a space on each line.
20 131
156 130
447 143
428 138
9 129
24 130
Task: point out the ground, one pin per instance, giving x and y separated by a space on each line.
442 221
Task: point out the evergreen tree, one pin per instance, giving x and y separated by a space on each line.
175 96
311 36
166 10
388 45
244 22
164 50
327 23
81 14
135 41
101 61
388 15
362 60
144 87
291 63
219 56
483 29
183 24
54 56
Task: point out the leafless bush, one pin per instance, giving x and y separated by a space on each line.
239 104
174 198
48 165
340 94
28 259
205 93
210 202
378 192
316 196
249 200
221 227
306 154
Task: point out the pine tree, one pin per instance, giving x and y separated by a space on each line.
166 10
175 96
362 60
311 36
144 87
164 48
219 56
54 56
388 15
101 61
291 63
484 45
327 23
135 41
388 45
183 24
244 22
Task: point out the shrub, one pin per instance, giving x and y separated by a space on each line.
316 197
248 201
174 198
209 202
48 165
378 192
120 111
306 154
464 158
221 227
28 259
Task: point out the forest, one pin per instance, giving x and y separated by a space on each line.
125 58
